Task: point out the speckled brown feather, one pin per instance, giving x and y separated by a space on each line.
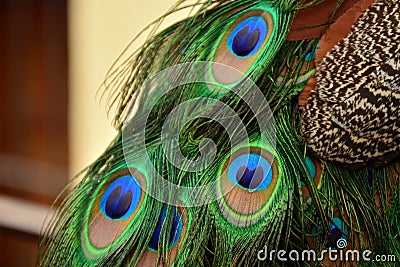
352 116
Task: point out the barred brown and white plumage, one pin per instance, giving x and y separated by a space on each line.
352 116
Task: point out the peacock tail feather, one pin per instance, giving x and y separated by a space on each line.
247 129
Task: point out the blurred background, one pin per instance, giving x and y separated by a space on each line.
53 57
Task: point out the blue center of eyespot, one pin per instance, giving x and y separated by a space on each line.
121 198
247 37
251 172
176 230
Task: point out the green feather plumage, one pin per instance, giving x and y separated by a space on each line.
213 234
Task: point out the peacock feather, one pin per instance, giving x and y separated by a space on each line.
249 127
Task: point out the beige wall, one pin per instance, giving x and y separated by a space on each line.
99 30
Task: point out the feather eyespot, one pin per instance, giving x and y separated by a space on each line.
115 207
176 221
176 229
241 45
249 179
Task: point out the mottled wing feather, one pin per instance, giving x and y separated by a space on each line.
352 115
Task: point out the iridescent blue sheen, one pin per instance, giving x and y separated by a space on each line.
247 37
311 168
311 53
121 198
338 231
250 171
176 230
